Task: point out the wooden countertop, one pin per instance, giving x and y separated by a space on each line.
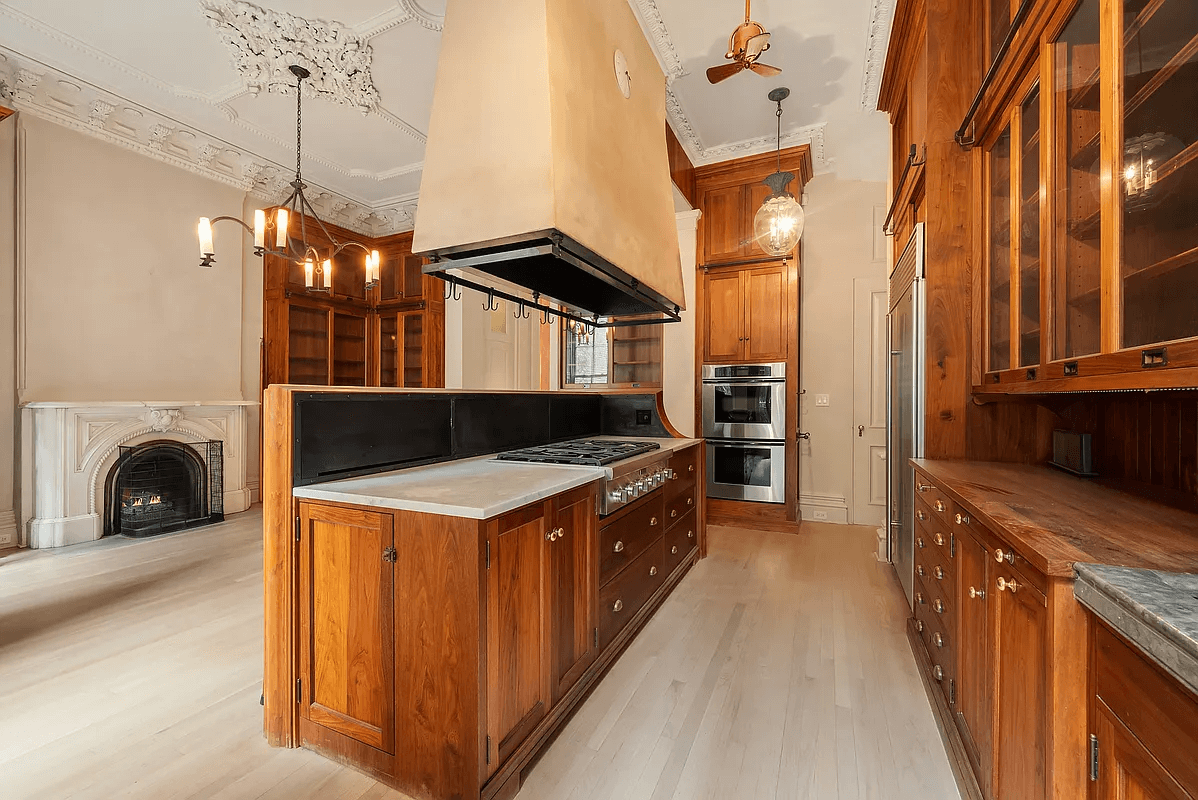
1055 519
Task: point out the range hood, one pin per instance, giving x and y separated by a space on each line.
539 170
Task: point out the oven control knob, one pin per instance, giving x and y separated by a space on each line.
670 474
640 485
615 495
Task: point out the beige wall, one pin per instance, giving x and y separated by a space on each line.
115 304
8 260
678 338
838 246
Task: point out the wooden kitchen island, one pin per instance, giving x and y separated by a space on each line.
435 626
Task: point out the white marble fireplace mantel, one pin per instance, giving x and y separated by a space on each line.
68 448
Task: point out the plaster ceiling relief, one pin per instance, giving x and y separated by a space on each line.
267 43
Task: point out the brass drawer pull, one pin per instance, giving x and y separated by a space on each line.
919 598
674 550
939 573
1006 585
939 506
555 534
919 625
690 468
690 534
652 521
652 571
919 570
938 605
938 640
619 548
977 594
938 672
922 516
690 501
919 542
618 607
1000 556
673 513
962 519
923 487
939 538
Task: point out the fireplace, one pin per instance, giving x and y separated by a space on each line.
162 486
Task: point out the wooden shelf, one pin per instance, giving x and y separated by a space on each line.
1176 164
1087 228
1188 51
1085 96
309 359
1165 266
631 363
1031 143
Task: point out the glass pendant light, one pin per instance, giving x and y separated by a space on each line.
778 224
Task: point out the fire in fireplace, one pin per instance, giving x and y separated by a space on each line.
164 486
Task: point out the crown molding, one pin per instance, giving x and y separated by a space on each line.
58 97
812 135
881 17
654 27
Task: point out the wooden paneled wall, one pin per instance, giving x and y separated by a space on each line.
682 172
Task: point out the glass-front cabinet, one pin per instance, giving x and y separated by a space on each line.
1091 203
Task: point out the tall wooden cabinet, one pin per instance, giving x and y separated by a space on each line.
746 314
390 335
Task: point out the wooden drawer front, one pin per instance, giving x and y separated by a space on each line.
938 601
627 538
685 464
1156 708
936 500
677 508
931 631
936 525
936 574
680 540
623 597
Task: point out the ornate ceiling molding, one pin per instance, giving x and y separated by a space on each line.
425 18
649 16
266 43
881 16
72 103
811 135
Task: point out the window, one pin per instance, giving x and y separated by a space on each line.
586 351
620 356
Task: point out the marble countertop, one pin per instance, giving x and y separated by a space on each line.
1156 611
475 488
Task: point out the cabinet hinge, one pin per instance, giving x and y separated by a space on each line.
1093 757
389 555
299 690
297 529
952 545
488 749
488 555
595 637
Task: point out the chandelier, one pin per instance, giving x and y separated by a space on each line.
778 224
276 226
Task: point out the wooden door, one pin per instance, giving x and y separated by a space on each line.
723 340
1020 665
765 327
573 589
975 678
1126 769
724 233
517 658
755 194
347 632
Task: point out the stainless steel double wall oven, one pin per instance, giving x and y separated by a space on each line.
744 422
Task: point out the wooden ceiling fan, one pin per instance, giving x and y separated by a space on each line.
745 46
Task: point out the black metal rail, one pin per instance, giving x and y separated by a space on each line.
962 136
898 190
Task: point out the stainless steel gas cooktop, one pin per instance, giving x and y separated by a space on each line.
596 452
628 481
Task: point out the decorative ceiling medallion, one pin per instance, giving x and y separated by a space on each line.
425 18
266 43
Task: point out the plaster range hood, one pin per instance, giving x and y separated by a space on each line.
539 170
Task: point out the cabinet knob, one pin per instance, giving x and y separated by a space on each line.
939 573
938 640
555 534
923 487
919 625
939 506
618 607
690 534
922 516
977 594
652 571
1005 585
690 501
962 519
938 672
652 521
673 512
674 550
919 570
619 548
938 605
919 542
919 598
690 468
939 538
1001 555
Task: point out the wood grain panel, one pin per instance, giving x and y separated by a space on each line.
573 588
723 224
765 328
723 330
1021 667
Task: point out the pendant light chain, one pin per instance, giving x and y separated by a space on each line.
299 125
778 114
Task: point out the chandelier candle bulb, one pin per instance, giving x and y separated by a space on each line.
327 270
308 268
281 228
205 234
259 228
374 265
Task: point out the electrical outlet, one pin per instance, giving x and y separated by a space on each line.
819 515
821 399
644 417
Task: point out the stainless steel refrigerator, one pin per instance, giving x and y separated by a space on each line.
905 402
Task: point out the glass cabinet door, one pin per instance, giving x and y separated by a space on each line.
1029 230
1159 171
1077 278
349 350
388 350
999 214
308 345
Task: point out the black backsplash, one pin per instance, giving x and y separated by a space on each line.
339 435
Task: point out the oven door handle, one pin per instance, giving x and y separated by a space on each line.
754 383
745 443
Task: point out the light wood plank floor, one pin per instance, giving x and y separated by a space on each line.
777 669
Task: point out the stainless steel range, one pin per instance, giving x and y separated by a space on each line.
635 468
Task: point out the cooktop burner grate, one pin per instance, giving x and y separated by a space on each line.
594 452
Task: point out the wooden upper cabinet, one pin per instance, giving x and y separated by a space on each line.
347 634
517 682
723 336
724 229
1020 663
765 314
573 588
755 196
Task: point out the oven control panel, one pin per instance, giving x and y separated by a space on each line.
626 488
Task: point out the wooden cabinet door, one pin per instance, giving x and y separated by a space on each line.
765 327
411 348
347 632
755 194
974 675
1126 769
517 658
724 232
1020 665
573 588
413 277
725 305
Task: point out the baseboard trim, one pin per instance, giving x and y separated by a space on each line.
967 783
824 508
8 530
